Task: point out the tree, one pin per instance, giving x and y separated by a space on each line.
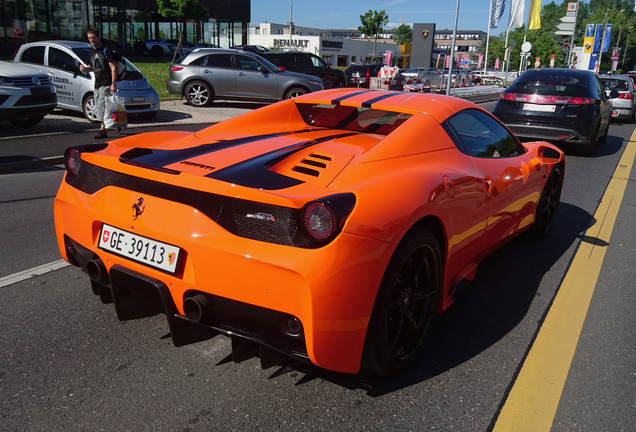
373 23
403 34
619 13
182 10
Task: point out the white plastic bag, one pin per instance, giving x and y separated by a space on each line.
115 112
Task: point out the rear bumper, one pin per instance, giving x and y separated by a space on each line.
552 133
263 289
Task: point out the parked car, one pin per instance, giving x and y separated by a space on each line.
272 227
256 49
622 95
360 75
165 47
560 105
309 64
460 77
214 73
431 76
61 61
26 94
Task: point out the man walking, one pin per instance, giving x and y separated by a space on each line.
103 64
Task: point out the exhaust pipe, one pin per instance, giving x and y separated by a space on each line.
97 271
198 308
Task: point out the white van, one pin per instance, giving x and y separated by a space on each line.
61 61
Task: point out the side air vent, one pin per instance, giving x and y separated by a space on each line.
312 165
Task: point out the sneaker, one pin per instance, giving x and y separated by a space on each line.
101 134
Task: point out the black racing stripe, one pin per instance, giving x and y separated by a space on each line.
254 172
370 102
162 158
350 95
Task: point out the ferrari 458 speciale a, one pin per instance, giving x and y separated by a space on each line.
330 228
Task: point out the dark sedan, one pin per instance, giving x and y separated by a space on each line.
309 64
360 75
558 105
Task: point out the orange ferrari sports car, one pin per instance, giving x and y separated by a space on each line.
331 228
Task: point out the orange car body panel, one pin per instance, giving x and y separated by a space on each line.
413 174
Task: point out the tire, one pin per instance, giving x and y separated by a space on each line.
588 149
294 92
88 108
29 121
340 84
548 204
406 305
602 139
156 51
198 94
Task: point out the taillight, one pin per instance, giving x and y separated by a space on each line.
282 68
73 157
625 96
319 221
322 219
176 68
546 99
72 160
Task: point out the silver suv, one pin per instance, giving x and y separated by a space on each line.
26 94
215 73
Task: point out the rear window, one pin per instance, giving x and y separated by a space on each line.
566 84
357 119
614 84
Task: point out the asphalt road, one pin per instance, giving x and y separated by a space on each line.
68 363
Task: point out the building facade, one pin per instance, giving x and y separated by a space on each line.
123 21
327 44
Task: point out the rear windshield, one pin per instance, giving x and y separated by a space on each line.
614 84
357 119
550 83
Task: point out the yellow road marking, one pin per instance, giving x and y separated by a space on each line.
534 398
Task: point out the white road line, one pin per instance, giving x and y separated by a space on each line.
36 271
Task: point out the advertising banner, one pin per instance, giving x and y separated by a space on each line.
589 38
596 46
606 38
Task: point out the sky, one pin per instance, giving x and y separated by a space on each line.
325 14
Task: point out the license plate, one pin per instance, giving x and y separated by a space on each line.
538 108
138 99
614 113
141 249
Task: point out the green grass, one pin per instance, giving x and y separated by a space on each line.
157 73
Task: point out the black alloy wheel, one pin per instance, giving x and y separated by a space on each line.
406 305
548 204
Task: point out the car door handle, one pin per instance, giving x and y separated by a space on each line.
207 71
241 74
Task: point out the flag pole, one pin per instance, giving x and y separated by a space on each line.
488 38
452 53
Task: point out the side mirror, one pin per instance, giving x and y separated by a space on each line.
263 69
547 155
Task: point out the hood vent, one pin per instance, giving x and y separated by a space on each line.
312 165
